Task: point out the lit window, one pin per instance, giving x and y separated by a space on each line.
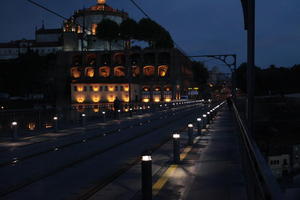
80 99
94 29
119 71
89 71
80 88
162 70
95 88
104 71
96 98
149 70
75 73
135 71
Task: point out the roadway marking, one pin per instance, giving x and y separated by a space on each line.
170 171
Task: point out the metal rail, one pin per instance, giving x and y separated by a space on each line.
261 182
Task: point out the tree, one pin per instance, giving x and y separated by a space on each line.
128 31
108 30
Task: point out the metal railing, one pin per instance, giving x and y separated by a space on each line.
261 183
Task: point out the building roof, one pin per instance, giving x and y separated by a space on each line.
46 44
49 31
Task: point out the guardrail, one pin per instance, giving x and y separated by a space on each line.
261 183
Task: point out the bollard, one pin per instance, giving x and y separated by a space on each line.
55 124
199 120
118 114
204 120
147 177
190 134
176 148
15 129
83 116
103 115
130 112
208 117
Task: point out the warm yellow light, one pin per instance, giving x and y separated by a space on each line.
126 110
126 99
95 88
111 98
111 88
31 126
80 99
96 110
156 99
168 100
146 100
94 28
126 88
75 73
90 72
96 98
101 1
80 88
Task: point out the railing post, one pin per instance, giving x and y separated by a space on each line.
146 177
190 134
176 148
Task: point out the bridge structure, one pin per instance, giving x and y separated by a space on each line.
188 150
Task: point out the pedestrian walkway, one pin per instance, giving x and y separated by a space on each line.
213 168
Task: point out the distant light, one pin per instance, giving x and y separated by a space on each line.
176 136
208 113
141 108
55 118
14 123
119 110
103 112
130 109
204 115
146 158
83 115
199 119
190 125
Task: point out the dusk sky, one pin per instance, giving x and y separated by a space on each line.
199 27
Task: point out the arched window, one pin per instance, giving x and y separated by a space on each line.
149 70
75 73
119 71
104 71
163 70
135 71
90 72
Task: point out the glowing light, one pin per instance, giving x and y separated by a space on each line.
146 100
96 88
55 118
167 100
94 28
162 70
126 98
75 73
156 99
126 110
176 136
190 126
111 88
96 110
83 115
126 88
14 123
80 88
146 158
31 126
96 98
198 119
204 116
80 99
101 1
111 98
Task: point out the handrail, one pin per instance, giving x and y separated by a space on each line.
267 184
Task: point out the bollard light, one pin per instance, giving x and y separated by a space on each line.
149 107
146 158
141 108
198 119
103 113
14 123
204 115
208 113
130 109
55 118
190 125
83 115
176 136
119 111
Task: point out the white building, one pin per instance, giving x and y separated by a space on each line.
280 164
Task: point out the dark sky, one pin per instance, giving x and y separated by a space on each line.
198 26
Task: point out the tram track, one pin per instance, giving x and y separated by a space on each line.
27 182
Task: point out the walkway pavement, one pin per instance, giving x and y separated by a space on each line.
211 169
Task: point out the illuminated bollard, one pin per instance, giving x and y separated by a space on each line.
130 112
83 119
118 114
14 126
199 123
208 117
55 123
104 116
190 134
176 148
147 177
204 120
